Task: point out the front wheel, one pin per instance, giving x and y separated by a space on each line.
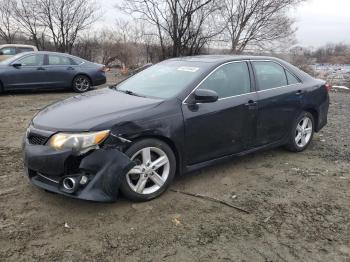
301 133
81 84
154 171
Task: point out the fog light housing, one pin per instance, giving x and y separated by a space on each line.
84 180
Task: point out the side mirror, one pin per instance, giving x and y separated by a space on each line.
16 65
205 96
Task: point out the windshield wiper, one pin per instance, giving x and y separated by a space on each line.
129 92
115 86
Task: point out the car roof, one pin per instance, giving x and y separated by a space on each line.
48 53
17 45
219 59
216 60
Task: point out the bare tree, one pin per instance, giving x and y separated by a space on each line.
177 23
255 23
8 27
27 16
65 19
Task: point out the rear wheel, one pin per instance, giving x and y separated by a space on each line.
81 84
154 171
302 132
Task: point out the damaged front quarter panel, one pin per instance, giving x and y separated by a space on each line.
98 178
97 175
109 166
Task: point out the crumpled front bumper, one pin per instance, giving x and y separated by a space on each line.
98 174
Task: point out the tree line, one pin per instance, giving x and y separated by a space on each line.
155 29
46 23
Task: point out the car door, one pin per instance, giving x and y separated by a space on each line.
26 72
61 69
224 127
280 97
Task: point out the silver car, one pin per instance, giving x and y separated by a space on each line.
9 50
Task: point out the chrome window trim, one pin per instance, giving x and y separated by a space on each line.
212 72
258 91
31 54
224 98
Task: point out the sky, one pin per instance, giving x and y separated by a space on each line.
323 21
318 21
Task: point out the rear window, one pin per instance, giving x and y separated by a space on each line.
24 49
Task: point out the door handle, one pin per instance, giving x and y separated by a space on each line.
251 104
299 92
40 68
70 68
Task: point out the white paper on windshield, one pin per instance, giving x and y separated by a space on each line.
188 69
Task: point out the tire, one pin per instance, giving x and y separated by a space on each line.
300 137
140 183
81 84
1 88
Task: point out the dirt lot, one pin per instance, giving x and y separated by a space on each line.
299 205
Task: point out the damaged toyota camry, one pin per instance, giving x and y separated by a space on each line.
174 117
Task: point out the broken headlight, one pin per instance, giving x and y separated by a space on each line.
79 142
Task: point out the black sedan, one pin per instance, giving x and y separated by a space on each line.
34 70
172 118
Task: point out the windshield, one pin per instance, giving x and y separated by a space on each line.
164 80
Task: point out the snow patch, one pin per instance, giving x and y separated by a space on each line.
341 87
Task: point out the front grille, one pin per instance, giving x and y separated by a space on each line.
36 139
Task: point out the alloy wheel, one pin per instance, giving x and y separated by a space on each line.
303 132
151 171
82 84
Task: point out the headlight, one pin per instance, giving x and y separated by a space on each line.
79 142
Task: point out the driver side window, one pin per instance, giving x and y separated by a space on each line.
229 80
32 60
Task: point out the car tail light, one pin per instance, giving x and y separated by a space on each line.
328 87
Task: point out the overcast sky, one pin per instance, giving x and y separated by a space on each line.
318 21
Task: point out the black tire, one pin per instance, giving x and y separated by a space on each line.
127 191
1 88
292 144
81 84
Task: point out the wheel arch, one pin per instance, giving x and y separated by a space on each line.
315 115
170 143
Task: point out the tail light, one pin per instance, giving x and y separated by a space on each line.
103 69
328 87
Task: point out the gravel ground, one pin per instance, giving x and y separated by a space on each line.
299 205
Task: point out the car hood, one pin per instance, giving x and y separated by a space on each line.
94 110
